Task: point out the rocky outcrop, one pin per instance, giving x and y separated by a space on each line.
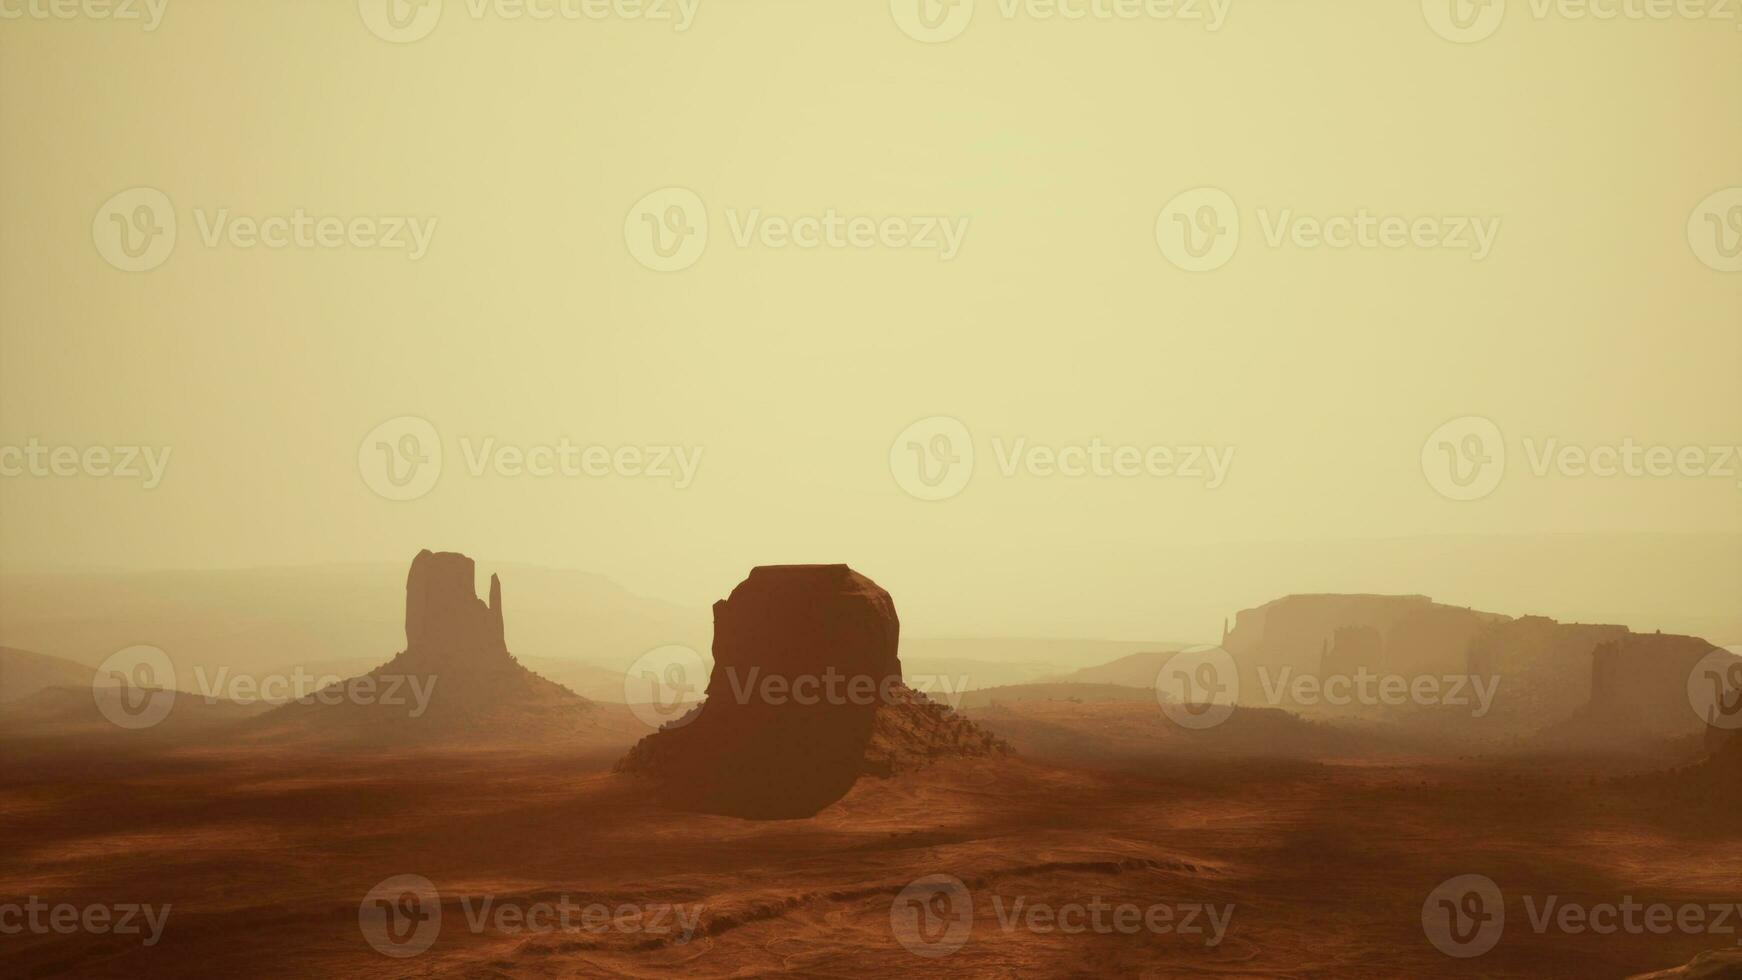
1353 648
1706 791
1342 636
797 620
1415 632
1544 668
1719 964
446 626
1639 686
1581 683
805 697
455 681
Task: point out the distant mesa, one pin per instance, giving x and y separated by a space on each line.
1639 685
1346 636
455 681
1388 633
805 697
1585 683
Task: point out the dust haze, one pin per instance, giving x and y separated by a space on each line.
989 488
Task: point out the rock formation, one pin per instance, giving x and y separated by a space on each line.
1340 635
1582 683
1639 686
1353 648
454 681
1718 964
1544 667
1416 633
805 697
1726 749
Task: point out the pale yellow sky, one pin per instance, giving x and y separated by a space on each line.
521 149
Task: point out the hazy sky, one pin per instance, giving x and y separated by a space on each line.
1007 273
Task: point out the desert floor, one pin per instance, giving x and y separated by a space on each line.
264 857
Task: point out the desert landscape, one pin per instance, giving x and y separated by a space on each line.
500 824
1007 489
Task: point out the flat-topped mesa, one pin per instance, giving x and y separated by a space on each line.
805 697
804 621
1639 685
444 619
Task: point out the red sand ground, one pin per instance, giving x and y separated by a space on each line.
264 856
